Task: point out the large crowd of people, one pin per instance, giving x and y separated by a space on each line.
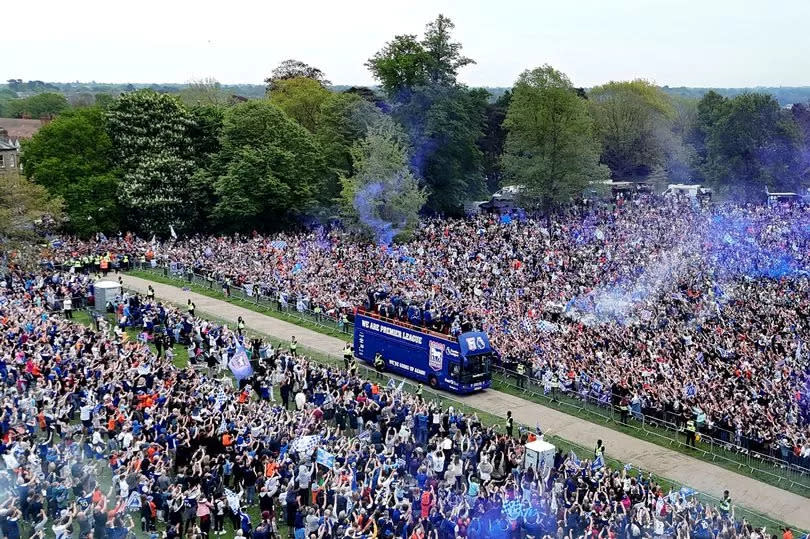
658 306
106 434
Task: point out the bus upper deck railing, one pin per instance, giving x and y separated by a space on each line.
407 325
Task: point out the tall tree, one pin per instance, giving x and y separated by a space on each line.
445 124
400 65
444 54
150 137
72 157
294 69
444 119
753 144
382 198
205 133
493 141
631 118
301 98
273 168
551 150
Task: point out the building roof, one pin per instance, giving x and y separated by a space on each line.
6 144
18 128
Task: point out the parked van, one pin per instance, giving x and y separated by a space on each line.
694 191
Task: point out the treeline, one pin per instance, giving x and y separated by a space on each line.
421 142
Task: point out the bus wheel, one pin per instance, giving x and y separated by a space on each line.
433 381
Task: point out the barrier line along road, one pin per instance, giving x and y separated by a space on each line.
702 476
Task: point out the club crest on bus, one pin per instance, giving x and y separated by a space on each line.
436 358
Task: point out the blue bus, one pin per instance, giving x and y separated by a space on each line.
459 365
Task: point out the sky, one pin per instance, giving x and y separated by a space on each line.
707 43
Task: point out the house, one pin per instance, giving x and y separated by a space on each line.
12 130
9 153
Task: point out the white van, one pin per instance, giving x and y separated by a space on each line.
693 191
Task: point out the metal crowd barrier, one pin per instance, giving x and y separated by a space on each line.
775 470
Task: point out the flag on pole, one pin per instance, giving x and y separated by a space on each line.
597 463
240 365
173 233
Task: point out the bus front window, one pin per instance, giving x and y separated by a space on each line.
476 368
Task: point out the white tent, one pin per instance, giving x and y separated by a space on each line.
539 454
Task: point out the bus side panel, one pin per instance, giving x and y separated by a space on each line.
400 358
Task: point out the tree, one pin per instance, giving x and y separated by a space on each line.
72 158
631 118
753 144
492 143
294 69
6 96
104 101
444 55
273 168
405 63
47 104
205 132
382 198
344 119
301 99
27 210
151 142
444 120
550 151
445 124
400 65
366 93
204 92
801 116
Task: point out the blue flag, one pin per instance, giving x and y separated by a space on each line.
239 364
575 459
597 463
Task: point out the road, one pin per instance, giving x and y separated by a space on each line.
700 475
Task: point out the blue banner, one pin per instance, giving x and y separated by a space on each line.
474 343
240 365
325 458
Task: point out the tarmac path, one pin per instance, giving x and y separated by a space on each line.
700 475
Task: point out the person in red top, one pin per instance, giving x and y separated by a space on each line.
428 499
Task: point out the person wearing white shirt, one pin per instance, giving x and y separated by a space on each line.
300 400
86 414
